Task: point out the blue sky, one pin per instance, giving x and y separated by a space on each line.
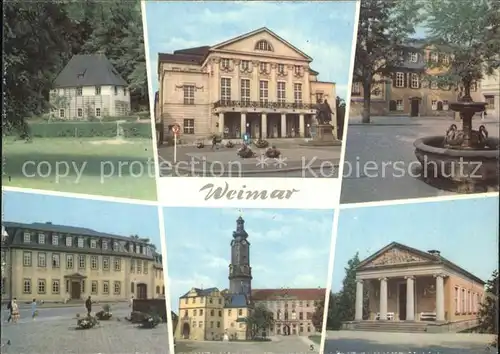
323 30
121 219
289 248
464 231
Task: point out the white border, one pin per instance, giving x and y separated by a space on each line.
336 212
161 220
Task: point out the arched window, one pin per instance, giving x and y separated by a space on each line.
163 290
392 106
440 106
264 45
158 289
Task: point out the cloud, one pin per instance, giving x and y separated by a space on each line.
215 262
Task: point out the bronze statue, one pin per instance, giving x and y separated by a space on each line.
323 112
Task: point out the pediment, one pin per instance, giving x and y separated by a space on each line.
395 255
247 44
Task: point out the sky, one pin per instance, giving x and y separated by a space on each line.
464 231
323 30
122 219
289 248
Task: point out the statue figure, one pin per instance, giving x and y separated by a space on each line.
323 112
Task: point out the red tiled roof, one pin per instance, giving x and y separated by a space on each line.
299 294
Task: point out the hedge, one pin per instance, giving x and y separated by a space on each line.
89 129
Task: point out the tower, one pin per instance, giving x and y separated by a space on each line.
240 272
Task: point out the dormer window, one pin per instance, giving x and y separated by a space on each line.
97 90
413 57
79 91
55 240
264 45
80 242
81 75
104 245
131 247
93 244
138 249
69 241
27 237
115 246
116 90
41 239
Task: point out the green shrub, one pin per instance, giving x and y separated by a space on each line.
136 130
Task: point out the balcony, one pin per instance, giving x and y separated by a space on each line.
263 107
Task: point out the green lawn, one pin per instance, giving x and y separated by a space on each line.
108 167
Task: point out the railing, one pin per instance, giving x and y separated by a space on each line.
259 104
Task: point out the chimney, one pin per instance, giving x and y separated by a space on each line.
435 253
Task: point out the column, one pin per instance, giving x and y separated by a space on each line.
283 125
410 298
263 122
221 123
243 124
302 127
383 299
439 297
359 301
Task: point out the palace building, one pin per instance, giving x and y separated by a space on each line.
210 314
256 84
58 263
405 285
412 89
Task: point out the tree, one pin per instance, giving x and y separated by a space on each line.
317 317
341 107
488 313
259 319
469 31
383 28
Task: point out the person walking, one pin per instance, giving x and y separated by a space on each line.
131 303
88 305
15 311
34 311
9 307
214 142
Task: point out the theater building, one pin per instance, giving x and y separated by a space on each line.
401 283
211 314
256 83
59 263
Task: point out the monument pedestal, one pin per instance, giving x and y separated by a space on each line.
324 137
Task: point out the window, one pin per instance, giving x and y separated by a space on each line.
93 287
224 63
413 57
69 261
263 67
434 57
445 59
69 241
188 126
93 262
80 242
93 243
41 239
469 302
415 81
105 263
445 105
263 45
56 260
201 310
139 267
218 324
434 105
456 300
79 91
118 264
400 105
42 259
400 79
319 96
83 286
56 286
81 261
132 266
27 237
490 101
131 247
61 113
117 287
462 305
281 68
55 240
26 259
240 312
105 287
356 89
98 90
281 92
245 90
116 90
41 286
97 112
145 267
27 286
225 89
245 64
79 112
297 69
297 93
195 312
115 246
264 91
104 245
188 94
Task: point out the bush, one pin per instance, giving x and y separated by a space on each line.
273 152
105 314
245 152
86 322
229 144
150 321
89 129
261 143
200 144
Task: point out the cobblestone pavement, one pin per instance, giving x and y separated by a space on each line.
57 333
279 346
354 342
370 173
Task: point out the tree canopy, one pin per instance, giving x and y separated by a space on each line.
488 313
260 319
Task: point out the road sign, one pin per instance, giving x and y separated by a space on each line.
176 129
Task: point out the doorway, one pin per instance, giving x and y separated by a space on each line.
415 102
286 330
76 290
142 291
402 301
185 330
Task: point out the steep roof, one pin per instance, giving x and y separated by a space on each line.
89 70
236 301
200 292
298 294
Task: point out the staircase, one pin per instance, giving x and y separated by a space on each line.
390 326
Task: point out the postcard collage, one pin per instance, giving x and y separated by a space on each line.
250 177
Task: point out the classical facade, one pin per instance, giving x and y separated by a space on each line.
58 263
212 314
256 84
89 87
490 90
405 284
412 89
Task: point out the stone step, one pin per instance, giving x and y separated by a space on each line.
406 327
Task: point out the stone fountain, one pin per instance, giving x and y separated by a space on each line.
465 160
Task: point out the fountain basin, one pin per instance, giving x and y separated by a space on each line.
468 107
467 168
